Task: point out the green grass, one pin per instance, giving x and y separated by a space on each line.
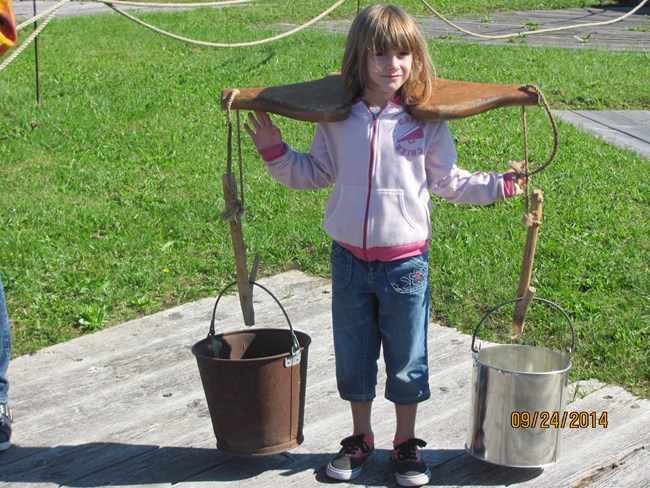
112 188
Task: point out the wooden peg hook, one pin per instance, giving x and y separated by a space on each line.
239 247
526 291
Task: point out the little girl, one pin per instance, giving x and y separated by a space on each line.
384 164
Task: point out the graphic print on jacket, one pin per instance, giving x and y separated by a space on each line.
409 137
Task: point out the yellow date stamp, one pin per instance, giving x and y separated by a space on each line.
558 420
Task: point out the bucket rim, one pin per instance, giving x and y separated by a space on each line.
564 370
250 331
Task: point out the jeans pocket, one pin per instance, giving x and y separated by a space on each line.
341 262
410 275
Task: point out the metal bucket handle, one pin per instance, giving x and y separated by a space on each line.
295 349
490 312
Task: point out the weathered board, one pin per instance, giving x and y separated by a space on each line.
624 128
125 407
630 34
325 99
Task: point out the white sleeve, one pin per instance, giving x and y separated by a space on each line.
455 184
304 171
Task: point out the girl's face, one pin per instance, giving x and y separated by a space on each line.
387 71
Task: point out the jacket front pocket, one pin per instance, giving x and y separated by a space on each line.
393 221
345 212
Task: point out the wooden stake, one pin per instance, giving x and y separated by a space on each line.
525 290
239 247
521 308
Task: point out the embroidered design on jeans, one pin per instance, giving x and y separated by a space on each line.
414 278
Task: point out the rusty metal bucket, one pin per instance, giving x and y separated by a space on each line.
254 383
518 401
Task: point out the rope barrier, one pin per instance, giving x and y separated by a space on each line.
218 44
172 5
112 4
135 4
45 13
529 32
51 13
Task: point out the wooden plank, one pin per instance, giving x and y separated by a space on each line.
613 37
611 134
326 100
633 123
190 320
580 464
121 377
153 428
631 470
585 450
627 35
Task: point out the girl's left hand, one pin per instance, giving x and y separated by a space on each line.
520 183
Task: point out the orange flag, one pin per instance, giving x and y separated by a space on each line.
8 34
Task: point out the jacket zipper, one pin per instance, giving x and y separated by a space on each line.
373 135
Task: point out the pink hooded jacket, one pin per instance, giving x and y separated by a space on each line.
383 167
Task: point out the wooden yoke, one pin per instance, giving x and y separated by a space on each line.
321 100
452 99
326 100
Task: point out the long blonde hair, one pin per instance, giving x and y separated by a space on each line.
380 28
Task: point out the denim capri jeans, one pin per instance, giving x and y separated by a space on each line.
380 305
5 347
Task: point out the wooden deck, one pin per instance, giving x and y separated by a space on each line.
625 128
630 34
125 407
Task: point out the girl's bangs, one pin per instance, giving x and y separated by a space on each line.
393 34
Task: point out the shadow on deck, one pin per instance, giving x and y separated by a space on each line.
125 407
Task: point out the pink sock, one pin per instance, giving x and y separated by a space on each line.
369 440
397 442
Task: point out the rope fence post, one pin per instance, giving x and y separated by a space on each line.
37 79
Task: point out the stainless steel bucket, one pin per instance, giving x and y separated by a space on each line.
518 400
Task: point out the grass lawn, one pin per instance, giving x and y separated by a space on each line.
112 188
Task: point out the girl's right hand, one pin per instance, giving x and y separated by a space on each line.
263 133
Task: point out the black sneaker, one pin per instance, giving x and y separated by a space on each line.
5 427
410 470
347 464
